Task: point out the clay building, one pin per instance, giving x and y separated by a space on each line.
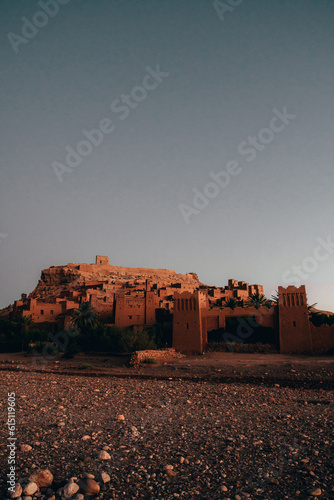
140 297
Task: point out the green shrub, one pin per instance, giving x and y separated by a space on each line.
111 339
132 340
41 347
161 334
319 319
71 350
241 347
15 337
149 361
11 338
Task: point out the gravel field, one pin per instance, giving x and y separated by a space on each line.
178 439
310 372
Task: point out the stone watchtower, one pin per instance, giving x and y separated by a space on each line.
294 324
100 259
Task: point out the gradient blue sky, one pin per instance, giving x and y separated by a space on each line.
225 78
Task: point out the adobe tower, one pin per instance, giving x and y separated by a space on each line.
294 324
188 334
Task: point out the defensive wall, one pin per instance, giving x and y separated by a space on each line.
192 320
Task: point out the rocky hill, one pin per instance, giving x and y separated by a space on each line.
57 279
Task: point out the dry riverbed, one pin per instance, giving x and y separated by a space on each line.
174 437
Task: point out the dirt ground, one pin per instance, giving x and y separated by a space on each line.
179 437
231 426
287 370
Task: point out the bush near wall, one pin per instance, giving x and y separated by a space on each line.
162 334
110 339
318 319
241 348
15 338
149 356
101 338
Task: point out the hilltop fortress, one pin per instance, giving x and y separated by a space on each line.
141 297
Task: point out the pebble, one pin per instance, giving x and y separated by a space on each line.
30 489
168 467
316 493
70 489
89 486
88 476
26 447
17 491
171 473
105 477
104 455
43 478
120 418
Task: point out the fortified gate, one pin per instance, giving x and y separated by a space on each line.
193 319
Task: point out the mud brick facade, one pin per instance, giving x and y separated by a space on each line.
294 324
192 320
139 297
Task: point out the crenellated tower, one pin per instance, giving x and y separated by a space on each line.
294 324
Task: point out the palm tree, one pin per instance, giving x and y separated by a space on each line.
218 303
257 300
274 298
84 317
25 323
310 307
231 303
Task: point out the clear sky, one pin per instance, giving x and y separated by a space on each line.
180 89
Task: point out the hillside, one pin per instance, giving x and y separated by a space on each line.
57 279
